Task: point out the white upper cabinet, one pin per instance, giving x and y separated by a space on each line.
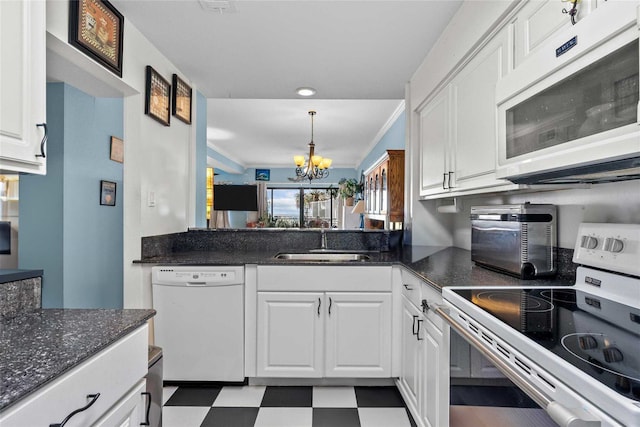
475 116
538 20
458 127
23 86
435 137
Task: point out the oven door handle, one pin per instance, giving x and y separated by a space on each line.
566 417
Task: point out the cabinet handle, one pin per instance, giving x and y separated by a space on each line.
93 398
425 306
330 303
444 180
43 141
449 180
413 327
407 287
146 416
418 331
319 303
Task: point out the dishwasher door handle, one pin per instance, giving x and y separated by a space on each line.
196 283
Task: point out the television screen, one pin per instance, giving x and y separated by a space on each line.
235 197
5 237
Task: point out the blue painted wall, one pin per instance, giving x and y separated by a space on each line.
393 139
280 177
201 160
41 208
87 269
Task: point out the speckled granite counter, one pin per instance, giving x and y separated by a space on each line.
39 346
440 266
452 266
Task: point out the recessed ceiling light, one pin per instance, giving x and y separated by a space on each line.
306 91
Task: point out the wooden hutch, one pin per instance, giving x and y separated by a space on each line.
384 192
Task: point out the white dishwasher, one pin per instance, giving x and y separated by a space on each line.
200 322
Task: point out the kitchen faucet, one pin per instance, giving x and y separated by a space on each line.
323 238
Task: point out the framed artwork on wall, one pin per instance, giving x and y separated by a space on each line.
107 193
95 28
117 150
181 101
158 94
263 174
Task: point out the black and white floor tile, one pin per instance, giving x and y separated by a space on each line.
270 406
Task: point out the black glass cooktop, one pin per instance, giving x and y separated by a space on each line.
596 335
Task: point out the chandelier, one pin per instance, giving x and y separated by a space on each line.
316 167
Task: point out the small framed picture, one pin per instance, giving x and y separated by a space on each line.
95 28
263 174
181 100
107 193
158 94
117 150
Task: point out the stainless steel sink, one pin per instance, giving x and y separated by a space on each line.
323 257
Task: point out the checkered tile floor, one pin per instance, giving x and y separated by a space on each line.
260 406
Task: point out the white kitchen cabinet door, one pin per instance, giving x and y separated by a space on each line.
22 85
290 334
411 356
129 411
434 392
435 136
475 139
538 20
358 329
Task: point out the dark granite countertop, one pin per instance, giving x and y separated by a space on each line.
450 266
439 266
7 275
39 346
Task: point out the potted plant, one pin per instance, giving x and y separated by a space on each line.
348 187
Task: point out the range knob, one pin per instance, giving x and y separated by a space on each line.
587 342
613 245
588 242
612 354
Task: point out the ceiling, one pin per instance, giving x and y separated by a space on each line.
248 57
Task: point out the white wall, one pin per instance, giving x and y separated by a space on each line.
157 158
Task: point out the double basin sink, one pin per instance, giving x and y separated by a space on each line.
324 255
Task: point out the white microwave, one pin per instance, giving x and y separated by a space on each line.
573 105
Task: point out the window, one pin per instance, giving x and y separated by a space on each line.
317 209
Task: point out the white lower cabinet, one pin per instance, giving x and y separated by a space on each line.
424 378
324 334
129 411
112 381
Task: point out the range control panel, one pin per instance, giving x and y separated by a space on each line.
614 247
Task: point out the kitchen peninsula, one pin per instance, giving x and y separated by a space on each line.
51 359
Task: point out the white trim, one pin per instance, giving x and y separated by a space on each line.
224 153
383 130
217 164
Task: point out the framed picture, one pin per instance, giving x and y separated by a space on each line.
117 150
158 93
107 193
263 174
95 28
181 100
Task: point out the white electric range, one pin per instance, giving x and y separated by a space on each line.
575 350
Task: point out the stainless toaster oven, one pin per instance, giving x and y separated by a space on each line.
516 239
